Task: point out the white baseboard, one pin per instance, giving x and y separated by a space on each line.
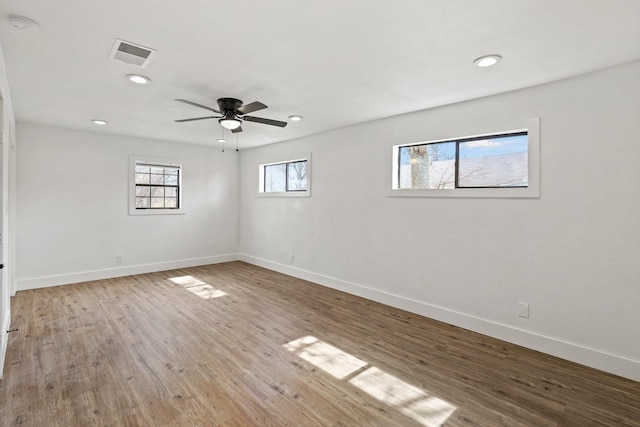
6 324
85 276
611 363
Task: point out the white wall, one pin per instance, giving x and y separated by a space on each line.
7 212
72 207
572 254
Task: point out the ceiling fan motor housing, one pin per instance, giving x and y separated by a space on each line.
229 104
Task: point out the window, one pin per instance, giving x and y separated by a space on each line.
478 162
285 178
291 176
491 165
156 187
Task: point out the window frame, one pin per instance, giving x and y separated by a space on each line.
150 161
287 193
531 126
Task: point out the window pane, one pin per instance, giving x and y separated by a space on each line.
142 202
157 169
275 178
494 162
171 179
157 202
157 191
143 191
170 202
297 176
428 166
171 192
171 171
142 178
142 169
157 179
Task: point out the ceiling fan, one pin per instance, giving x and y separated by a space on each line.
233 113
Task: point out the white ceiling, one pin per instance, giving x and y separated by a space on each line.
337 63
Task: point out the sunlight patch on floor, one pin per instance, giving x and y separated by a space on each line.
325 356
430 411
408 399
197 287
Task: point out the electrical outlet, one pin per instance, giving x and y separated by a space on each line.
120 258
290 257
523 309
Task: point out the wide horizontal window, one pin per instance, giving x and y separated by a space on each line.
481 162
505 163
286 178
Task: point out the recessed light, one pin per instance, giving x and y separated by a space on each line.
22 23
295 118
221 140
487 60
99 122
136 78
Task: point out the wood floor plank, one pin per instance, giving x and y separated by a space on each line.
237 345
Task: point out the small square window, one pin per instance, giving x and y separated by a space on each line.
155 187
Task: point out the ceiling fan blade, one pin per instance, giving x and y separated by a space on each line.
265 121
198 105
236 130
197 118
250 108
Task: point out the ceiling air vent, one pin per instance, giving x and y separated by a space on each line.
132 53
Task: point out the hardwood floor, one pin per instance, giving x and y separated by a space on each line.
236 345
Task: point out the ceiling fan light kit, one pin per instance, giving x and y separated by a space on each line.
230 122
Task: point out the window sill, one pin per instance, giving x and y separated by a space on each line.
286 194
136 212
495 193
